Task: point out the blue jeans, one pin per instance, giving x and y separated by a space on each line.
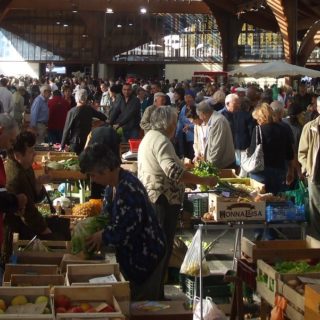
131 134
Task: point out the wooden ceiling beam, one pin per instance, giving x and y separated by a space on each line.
152 6
4 8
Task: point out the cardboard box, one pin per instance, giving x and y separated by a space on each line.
229 209
312 302
94 295
28 269
286 249
79 275
31 293
23 280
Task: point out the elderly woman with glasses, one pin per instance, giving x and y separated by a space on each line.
164 175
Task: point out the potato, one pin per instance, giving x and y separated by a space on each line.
293 283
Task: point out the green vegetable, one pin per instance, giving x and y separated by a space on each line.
85 229
205 169
296 267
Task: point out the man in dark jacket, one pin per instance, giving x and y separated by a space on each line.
241 123
126 114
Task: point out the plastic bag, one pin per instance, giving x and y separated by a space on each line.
300 195
277 313
191 263
210 311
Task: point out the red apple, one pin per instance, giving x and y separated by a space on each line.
62 300
108 309
76 309
61 310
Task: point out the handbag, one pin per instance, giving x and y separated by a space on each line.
255 162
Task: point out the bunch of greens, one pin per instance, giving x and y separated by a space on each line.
205 169
71 164
296 267
85 229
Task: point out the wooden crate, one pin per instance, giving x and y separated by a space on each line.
62 175
227 173
286 249
31 257
31 293
53 246
77 259
28 269
79 275
312 302
275 284
25 280
94 295
258 186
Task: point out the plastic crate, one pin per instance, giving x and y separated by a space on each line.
247 272
285 211
200 204
134 145
214 286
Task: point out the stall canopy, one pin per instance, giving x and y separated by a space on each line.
274 69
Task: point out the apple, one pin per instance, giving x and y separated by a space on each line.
61 310
85 306
62 300
19 300
2 305
91 310
76 309
107 309
42 299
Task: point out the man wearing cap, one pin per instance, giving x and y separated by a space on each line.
40 113
309 157
159 100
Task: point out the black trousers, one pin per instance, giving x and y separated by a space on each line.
168 217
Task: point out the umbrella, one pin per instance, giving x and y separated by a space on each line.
274 69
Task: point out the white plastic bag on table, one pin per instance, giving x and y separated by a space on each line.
210 311
191 263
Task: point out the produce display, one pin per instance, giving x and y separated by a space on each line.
84 229
22 305
205 169
68 164
63 304
88 209
296 267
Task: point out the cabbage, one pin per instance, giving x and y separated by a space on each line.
83 230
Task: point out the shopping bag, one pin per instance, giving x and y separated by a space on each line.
299 195
210 311
192 261
255 162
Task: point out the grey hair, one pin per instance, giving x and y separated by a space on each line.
230 97
163 117
204 107
44 88
81 95
276 106
7 122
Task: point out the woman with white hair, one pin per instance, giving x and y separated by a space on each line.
79 122
163 174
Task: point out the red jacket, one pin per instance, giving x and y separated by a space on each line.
58 109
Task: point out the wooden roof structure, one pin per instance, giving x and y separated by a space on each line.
83 25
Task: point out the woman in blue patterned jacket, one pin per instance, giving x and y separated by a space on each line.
133 227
